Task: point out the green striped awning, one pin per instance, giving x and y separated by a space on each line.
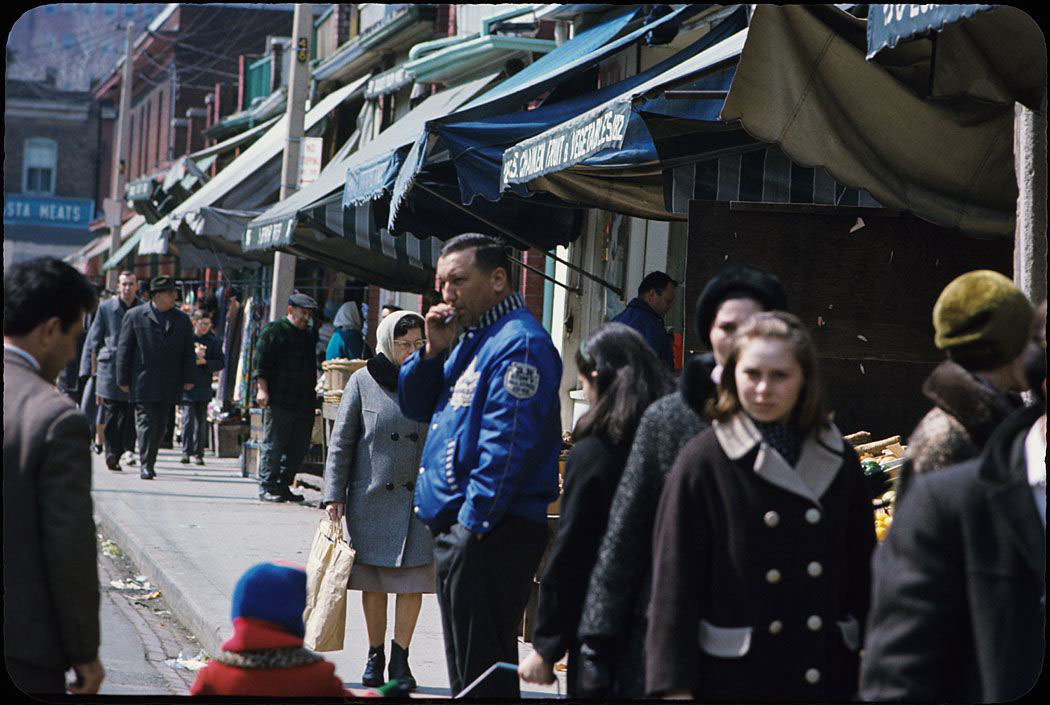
125 249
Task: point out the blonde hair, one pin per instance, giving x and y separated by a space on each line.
775 325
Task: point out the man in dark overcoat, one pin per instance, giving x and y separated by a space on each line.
155 362
116 413
51 593
959 593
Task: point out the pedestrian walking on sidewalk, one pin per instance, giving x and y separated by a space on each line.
286 372
370 475
982 321
959 597
490 463
208 360
613 624
265 657
763 538
645 313
115 410
621 377
51 592
155 363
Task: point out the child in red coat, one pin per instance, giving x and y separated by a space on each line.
265 656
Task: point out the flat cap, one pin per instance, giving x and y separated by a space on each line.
302 301
161 284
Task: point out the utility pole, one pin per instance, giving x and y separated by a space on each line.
114 205
299 76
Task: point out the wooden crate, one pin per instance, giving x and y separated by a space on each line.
256 424
227 438
250 459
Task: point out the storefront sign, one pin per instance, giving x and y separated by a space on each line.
889 24
270 235
566 145
43 210
310 161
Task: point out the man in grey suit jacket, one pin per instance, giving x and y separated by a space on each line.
51 594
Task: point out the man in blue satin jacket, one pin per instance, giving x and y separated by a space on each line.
490 463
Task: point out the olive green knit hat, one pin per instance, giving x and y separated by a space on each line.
982 320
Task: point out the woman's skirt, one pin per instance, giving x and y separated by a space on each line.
374 578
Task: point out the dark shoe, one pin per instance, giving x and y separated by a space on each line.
399 669
147 474
271 497
373 675
96 449
113 463
291 496
185 459
199 460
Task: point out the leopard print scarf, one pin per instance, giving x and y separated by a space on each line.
269 658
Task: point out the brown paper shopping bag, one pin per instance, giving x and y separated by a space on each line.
327 573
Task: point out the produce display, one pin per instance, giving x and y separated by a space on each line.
881 462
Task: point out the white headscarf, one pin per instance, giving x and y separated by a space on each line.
385 332
348 316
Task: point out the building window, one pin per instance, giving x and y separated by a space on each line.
38 166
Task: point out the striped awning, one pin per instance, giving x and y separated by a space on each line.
349 239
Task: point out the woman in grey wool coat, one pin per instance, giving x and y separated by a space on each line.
370 473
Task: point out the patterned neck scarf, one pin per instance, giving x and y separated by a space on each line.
784 437
269 658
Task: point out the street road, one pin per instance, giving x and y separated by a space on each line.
140 638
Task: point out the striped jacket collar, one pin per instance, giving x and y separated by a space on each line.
511 303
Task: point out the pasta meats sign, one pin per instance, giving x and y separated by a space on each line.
565 145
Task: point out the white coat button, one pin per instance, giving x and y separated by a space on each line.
434 427
771 519
812 676
417 510
814 623
775 627
421 471
773 576
812 515
485 524
814 569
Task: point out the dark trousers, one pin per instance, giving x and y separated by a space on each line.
31 678
286 438
194 427
482 588
168 438
151 419
118 431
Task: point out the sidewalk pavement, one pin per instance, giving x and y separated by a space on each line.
195 530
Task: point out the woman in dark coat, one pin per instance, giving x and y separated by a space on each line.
621 377
370 475
613 624
763 538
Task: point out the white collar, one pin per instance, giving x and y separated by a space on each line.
19 351
1035 452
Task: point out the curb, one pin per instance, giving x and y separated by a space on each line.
185 608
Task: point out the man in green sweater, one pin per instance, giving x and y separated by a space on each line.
286 373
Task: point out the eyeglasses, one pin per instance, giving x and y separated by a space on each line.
410 344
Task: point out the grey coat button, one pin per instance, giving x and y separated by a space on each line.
395 437
390 485
812 676
814 569
814 623
812 515
775 627
414 437
771 518
773 576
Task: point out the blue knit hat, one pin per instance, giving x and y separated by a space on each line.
272 592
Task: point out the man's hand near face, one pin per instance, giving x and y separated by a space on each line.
440 329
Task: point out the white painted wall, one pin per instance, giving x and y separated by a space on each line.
468 17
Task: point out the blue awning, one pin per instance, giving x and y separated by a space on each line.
567 61
889 24
472 151
370 172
